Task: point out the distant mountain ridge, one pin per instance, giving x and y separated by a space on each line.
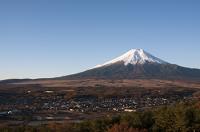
14 81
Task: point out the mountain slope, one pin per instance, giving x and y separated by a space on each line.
135 64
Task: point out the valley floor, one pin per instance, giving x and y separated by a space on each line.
38 102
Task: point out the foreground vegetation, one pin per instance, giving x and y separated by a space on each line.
182 117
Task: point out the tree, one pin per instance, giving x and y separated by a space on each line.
124 127
164 119
133 119
147 119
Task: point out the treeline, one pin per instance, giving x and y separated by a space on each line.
182 117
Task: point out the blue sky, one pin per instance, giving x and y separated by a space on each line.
47 38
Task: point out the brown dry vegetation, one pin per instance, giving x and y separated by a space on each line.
146 83
99 87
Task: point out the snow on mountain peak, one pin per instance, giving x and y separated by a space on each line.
134 56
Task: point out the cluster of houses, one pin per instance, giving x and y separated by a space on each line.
54 103
88 104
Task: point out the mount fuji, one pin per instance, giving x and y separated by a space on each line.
134 56
137 64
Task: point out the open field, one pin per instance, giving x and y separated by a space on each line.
150 83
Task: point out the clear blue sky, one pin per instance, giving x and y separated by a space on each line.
47 38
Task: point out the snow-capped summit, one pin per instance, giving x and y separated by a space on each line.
134 56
